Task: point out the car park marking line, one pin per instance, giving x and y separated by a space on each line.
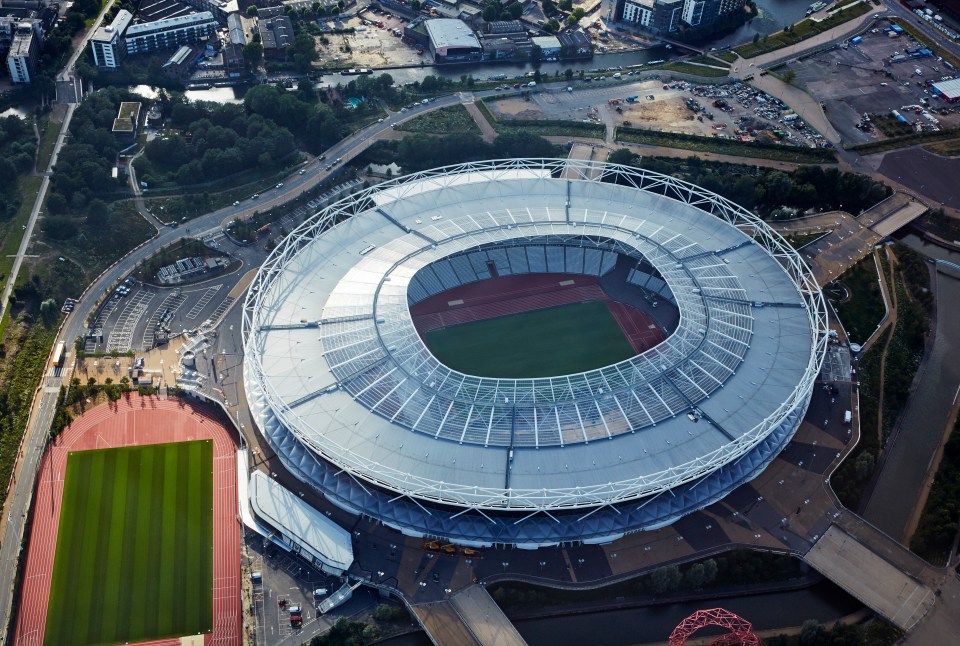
122 334
171 302
200 304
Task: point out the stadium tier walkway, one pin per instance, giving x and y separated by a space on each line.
136 421
468 618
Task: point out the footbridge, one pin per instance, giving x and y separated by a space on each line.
876 570
468 618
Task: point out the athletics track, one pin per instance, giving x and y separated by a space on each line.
135 421
508 295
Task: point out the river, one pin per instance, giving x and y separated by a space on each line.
824 602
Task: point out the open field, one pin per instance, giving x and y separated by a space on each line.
445 121
134 557
553 341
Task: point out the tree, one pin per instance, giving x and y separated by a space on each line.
515 10
304 52
252 11
415 5
810 632
253 53
568 74
756 38
621 156
789 76
490 12
695 576
49 312
665 579
565 5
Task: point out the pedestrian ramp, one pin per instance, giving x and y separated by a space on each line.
858 568
584 152
468 618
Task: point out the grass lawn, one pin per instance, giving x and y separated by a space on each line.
448 120
863 312
801 31
12 231
134 555
555 341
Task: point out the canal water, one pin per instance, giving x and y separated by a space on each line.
824 602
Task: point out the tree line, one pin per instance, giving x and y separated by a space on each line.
17 151
771 193
420 152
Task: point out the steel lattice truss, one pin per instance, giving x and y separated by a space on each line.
741 630
372 352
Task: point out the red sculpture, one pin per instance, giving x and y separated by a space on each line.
741 630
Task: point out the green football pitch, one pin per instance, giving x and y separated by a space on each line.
134 558
555 341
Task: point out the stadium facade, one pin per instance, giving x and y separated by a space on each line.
355 405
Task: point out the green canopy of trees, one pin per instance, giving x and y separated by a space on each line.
767 191
17 150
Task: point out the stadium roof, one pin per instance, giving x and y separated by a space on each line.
331 346
448 33
316 534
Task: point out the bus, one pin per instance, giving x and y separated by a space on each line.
58 355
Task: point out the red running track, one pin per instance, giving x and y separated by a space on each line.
495 297
135 421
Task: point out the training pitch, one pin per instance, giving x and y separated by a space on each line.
134 558
559 340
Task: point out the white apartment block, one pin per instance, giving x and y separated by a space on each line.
107 43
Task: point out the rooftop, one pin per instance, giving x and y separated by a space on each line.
170 23
949 88
308 527
127 117
446 33
115 29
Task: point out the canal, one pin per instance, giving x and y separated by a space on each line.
824 602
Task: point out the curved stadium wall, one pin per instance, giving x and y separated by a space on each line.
355 404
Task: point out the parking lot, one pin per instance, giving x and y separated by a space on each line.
135 312
288 581
875 76
732 110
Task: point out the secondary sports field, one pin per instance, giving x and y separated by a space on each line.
134 558
554 341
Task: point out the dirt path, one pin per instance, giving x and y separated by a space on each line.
486 130
891 325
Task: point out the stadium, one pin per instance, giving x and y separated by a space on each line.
530 352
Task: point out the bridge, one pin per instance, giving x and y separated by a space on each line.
468 618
